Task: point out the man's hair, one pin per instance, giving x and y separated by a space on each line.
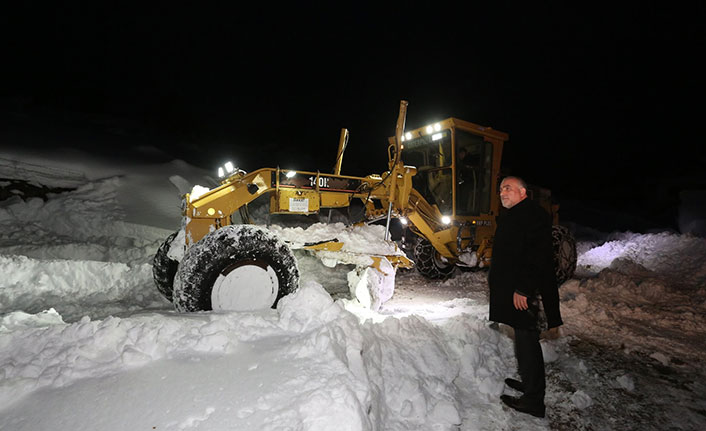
522 182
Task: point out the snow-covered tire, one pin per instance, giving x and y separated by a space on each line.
237 267
164 268
564 253
429 262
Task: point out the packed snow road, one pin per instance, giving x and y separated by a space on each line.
87 342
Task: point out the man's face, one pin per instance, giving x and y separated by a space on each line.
511 193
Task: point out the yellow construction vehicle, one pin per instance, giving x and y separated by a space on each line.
444 191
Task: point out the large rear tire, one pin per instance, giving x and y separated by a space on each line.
565 256
238 267
164 268
429 262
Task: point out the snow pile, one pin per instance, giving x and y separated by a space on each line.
308 362
643 292
85 212
414 375
418 371
84 224
678 257
73 252
308 369
75 287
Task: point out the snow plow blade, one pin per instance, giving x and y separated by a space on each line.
372 281
334 245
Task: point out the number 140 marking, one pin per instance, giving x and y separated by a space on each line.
323 182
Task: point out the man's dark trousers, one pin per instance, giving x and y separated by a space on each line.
531 364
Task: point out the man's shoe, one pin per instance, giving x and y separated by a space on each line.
521 405
515 384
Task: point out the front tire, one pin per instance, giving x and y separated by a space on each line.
237 267
565 256
429 262
164 268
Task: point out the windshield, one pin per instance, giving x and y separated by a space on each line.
473 174
432 156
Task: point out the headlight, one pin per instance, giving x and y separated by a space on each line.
446 220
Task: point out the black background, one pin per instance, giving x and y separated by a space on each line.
603 103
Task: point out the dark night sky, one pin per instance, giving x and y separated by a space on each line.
602 105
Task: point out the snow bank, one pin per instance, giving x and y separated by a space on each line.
87 211
316 336
73 286
679 257
73 253
643 292
404 373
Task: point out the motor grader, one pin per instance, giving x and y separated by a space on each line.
441 184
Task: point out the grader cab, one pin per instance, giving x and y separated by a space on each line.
441 184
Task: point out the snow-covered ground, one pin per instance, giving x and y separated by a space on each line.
87 342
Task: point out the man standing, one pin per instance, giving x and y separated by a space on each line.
523 289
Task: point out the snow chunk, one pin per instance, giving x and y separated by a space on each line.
307 308
548 351
660 357
626 382
178 246
20 320
581 400
365 240
198 191
372 287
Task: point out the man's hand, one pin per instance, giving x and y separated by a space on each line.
520 301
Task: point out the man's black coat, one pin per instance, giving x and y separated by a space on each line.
523 262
